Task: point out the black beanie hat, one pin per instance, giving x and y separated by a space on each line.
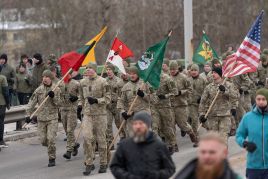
4 56
38 57
143 116
217 70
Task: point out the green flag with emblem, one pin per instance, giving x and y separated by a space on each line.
204 53
150 63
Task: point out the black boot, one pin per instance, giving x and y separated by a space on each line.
103 169
171 150
76 147
176 148
67 155
51 163
88 169
183 133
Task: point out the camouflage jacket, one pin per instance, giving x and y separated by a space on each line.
115 87
184 87
223 103
168 89
198 85
97 88
262 74
128 94
67 90
49 111
242 82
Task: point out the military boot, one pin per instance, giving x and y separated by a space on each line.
183 133
171 150
103 169
176 148
76 147
88 169
67 155
193 137
51 163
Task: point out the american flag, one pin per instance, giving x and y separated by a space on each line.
247 57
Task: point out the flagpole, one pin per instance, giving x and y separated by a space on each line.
105 64
123 123
41 105
217 94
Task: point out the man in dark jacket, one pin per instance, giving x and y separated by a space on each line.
38 70
211 162
143 155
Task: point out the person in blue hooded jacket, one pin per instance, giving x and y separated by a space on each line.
252 134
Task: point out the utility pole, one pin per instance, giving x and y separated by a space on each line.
188 31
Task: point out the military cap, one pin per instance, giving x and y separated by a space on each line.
48 73
92 66
173 65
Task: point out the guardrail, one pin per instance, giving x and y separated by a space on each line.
16 114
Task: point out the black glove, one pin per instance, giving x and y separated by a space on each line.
233 112
241 91
198 100
79 112
73 98
202 119
28 119
92 100
260 83
161 96
140 93
222 88
51 94
250 146
125 115
179 93
246 93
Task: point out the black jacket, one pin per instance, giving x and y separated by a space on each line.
188 172
147 160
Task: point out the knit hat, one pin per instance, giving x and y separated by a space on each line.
48 73
4 56
194 67
38 57
173 65
92 66
52 57
166 61
133 69
264 58
143 116
263 92
217 70
110 66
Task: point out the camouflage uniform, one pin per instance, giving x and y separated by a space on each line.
198 85
163 117
179 102
112 111
128 94
69 96
219 116
262 73
95 116
47 116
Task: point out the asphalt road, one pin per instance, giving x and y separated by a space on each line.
28 159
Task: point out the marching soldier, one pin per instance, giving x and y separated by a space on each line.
262 72
128 94
48 114
163 117
179 102
198 84
95 95
112 112
165 66
69 97
219 117
207 69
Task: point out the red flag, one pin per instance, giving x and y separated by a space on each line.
74 59
118 53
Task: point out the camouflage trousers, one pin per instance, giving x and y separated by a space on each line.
181 117
221 124
48 132
163 125
94 130
193 115
113 115
69 122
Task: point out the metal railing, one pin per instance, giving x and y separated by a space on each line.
16 115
